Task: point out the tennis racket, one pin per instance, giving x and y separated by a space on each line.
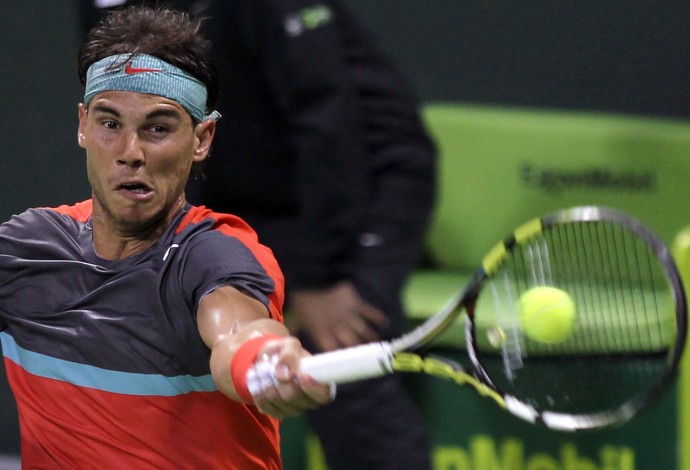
626 342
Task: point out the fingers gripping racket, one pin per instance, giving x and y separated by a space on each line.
593 361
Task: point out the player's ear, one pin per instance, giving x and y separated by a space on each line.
204 132
81 137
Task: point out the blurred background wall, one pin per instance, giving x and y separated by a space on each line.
617 56
623 56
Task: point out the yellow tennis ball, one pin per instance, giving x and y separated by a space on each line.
547 314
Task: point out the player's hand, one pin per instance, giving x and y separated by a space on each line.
335 317
282 389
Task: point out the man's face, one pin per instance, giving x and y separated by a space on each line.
139 150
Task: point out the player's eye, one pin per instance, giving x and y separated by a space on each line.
158 129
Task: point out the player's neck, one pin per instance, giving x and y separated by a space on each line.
119 249
113 240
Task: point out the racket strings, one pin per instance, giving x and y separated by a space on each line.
624 328
507 329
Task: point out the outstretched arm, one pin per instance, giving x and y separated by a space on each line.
238 330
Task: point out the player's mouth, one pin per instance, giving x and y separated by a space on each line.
136 190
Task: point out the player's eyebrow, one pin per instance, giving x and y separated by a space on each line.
171 113
100 108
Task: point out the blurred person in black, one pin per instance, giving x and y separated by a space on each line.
323 152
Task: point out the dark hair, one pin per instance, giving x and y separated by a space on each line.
170 35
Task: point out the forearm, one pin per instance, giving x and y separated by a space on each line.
223 351
238 331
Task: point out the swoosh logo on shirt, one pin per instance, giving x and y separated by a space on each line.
129 70
167 252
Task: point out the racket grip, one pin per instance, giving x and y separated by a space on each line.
349 365
345 365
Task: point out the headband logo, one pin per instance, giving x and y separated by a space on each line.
129 70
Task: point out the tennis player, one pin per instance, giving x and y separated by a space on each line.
128 321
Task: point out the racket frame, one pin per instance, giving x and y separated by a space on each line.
378 359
